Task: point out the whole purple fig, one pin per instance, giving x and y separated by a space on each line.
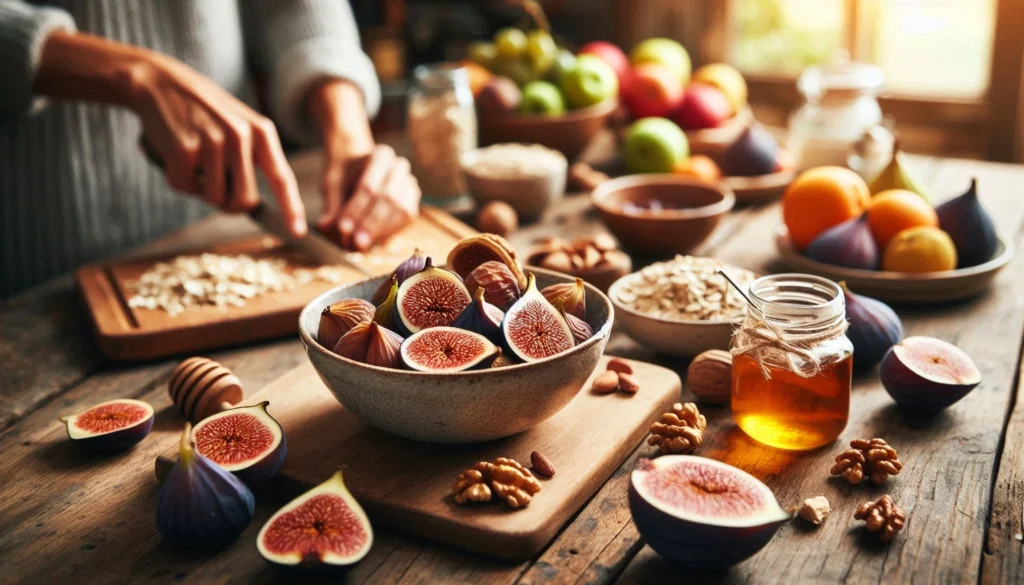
848 244
407 268
874 328
969 226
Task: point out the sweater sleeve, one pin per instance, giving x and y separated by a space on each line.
23 30
297 43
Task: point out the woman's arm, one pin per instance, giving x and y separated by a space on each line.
23 30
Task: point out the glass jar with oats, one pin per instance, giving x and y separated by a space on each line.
792 363
441 126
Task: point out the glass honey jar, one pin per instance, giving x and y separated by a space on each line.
792 363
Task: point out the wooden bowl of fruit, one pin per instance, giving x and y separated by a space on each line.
892 245
568 133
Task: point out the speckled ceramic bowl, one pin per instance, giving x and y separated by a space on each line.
463 407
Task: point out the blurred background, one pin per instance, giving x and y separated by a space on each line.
953 68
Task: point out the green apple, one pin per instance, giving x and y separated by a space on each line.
541 97
655 145
591 81
564 62
665 52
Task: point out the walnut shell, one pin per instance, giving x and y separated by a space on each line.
497 217
710 376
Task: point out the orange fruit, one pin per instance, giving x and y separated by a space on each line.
700 167
890 212
820 198
920 249
478 75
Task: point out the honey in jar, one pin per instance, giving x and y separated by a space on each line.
793 395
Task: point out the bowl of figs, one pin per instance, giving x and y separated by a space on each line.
468 349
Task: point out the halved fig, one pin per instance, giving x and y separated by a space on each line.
928 374
433 297
475 250
702 512
534 329
481 317
110 426
324 528
246 441
447 349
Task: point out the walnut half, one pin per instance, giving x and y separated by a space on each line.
505 478
679 431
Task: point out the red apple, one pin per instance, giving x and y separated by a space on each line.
703 106
610 54
652 90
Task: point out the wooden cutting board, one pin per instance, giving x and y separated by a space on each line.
406 485
126 333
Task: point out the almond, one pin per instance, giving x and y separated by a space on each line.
710 376
620 365
541 465
628 384
605 382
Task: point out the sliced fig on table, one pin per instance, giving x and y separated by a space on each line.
114 425
481 317
201 506
702 512
246 441
534 329
447 349
927 374
433 297
324 528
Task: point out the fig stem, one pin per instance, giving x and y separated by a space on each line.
185 447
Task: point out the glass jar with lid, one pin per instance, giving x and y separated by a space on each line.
441 126
792 363
840 105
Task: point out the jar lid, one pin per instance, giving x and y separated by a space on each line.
847 79
441 76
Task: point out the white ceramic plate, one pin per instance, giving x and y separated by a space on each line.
934 287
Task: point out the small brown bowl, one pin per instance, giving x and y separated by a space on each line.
761 188
692 210
569 133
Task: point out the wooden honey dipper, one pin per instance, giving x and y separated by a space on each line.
200 387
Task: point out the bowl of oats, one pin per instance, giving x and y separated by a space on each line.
526 176
681 307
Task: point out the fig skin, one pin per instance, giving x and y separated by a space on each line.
913 390
318 560
532 295
969 226
501 288
481 317
407 268
570 296
337 318
113 441
255 471
696 541
403 321
874 328
200 506
848 244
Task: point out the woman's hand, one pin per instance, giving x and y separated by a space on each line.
369 191
210 142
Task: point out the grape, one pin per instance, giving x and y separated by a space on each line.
483 53
511 42
541 50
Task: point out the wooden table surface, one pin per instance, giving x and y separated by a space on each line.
66 516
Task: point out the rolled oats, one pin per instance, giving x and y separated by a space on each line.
687 288
220 281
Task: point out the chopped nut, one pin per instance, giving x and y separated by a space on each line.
620 365
541 465
628 383
815 510
505 478
873 459
605 383
679 431
882 516
580 257
688 288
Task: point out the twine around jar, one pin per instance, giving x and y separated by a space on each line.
764 335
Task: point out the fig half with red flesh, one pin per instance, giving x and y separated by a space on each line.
114 425
533 328
447 349
246 441
702 512
433 297
324 528
928 374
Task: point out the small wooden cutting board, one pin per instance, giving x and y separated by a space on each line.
406 485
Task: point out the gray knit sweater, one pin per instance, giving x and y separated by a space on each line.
73 185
